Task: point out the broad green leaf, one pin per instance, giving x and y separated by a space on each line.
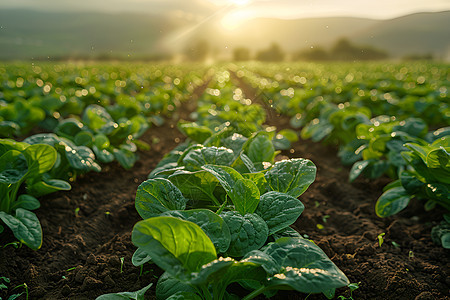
291 176
25 227
9 144
48 186
9 129
289 134
392 201
195 159
81 158
155 196
245 196
263 259
258 179
410 183
140 257
357 169
138 295
168 286
248 232
260 149
26 202
440 192
235 142
197 186
103 155
97 118
69 128
303 266
280 142
213 270
195 132
279 210
184 296
439 158
84 138
243 192
237 271
211 223
286 232
13 167
125 157
40 158
177 246
243 164
101 141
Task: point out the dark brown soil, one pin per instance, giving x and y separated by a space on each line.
82 250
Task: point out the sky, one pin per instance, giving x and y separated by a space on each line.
232 11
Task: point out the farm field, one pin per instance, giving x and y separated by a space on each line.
364 147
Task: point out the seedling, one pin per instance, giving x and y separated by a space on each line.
380 239
15 244
396 245
25 286
121 264
411 254
352 287
77 210
324 218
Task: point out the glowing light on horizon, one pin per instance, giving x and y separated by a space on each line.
240 2
235 19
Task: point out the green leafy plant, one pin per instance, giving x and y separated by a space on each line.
193 270
20 163
427 177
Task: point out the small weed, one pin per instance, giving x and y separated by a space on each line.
352 287
380 239
121 264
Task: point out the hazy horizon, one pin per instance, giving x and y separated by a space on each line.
240 10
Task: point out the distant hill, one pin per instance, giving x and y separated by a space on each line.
27 34
416 33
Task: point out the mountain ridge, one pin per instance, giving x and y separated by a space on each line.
28 34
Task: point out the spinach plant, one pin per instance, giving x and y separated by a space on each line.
426 177
20 163
193 270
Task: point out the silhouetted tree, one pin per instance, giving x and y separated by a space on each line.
273 53
316 53
344 50
241 53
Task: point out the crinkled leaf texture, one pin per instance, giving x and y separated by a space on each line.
179 247
211 223
155 196
303 266
138 295
291 176
168 286
248 232
195 159
243 192
197 186
279 210
25 226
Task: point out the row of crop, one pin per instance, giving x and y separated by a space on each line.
85 132
377 136
217 210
